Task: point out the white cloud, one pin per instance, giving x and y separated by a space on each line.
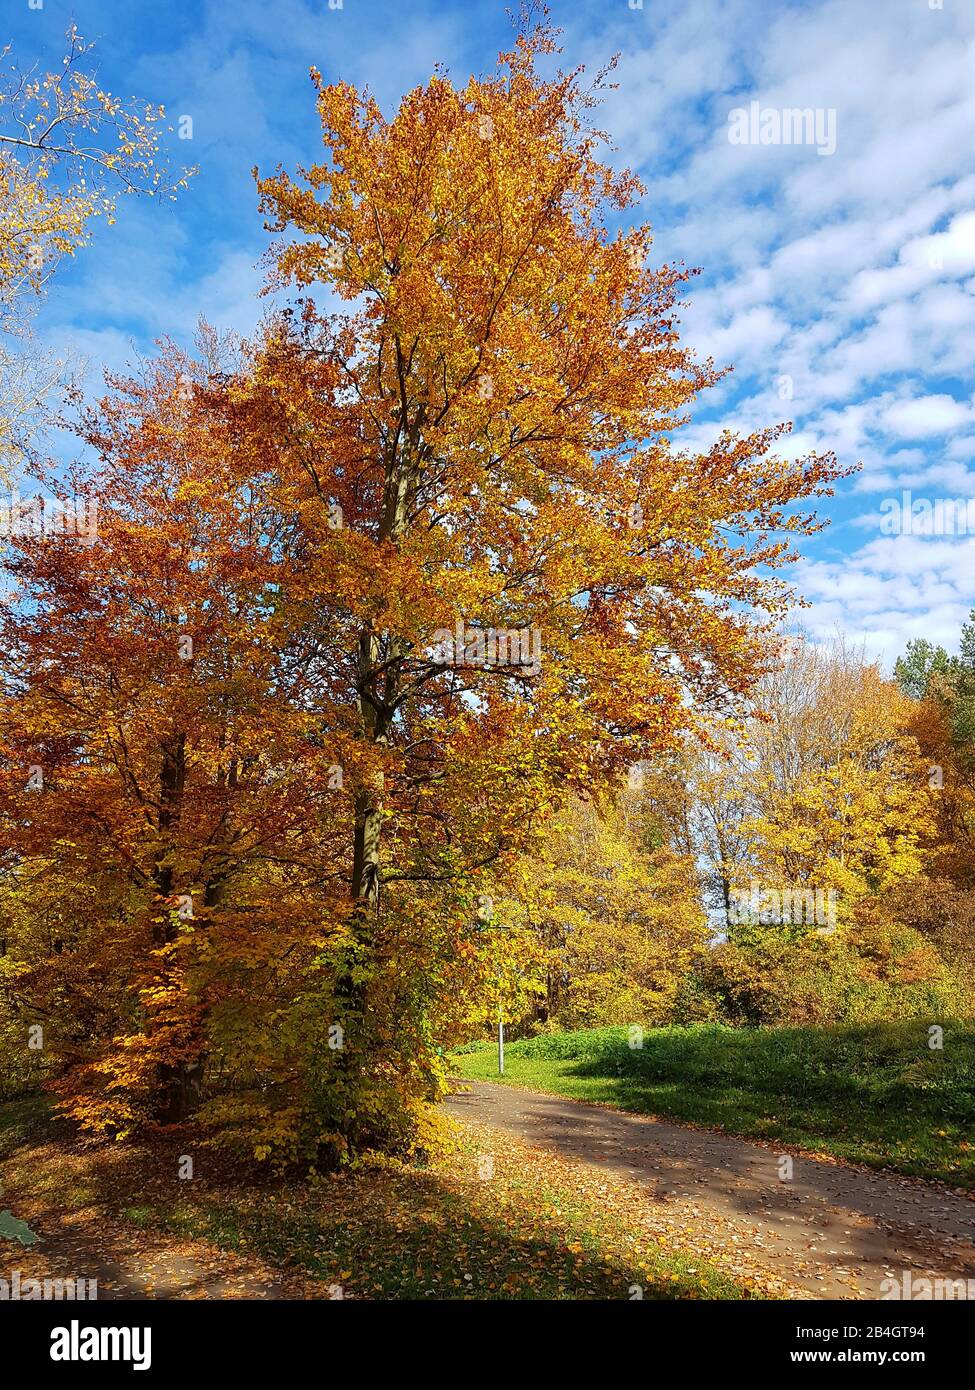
926 416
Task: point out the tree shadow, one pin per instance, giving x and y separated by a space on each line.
122 1217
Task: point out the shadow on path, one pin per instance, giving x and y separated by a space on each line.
836 1231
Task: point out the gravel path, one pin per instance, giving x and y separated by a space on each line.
829 1230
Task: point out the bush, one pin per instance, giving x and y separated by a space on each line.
873 969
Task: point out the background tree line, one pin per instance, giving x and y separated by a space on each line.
844 788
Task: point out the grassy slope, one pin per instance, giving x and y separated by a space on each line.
535 1229
875 1094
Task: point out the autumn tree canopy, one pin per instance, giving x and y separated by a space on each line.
492 418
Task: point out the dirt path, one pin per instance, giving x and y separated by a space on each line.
828 1231
129 1262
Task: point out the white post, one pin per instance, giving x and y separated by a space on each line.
500 1042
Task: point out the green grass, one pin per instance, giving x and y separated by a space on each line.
874 1094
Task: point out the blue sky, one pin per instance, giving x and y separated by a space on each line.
841 285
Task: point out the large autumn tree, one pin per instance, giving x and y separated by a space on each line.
493 417
162 790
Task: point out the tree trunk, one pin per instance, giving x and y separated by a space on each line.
172 776
179 1082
